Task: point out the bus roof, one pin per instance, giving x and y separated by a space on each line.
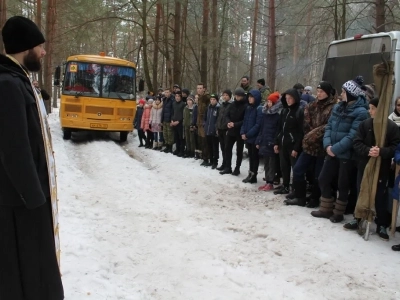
101 60
392 34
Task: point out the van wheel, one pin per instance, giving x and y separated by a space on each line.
123 136
67 134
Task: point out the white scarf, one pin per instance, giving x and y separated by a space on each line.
395 118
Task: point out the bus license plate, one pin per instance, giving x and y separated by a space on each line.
98 125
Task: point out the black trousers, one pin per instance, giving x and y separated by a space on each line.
213 148
287 162
142 136
222 139
230 141
254 159
150 137
336 169
178 137
383 217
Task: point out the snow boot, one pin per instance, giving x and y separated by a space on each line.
226 171
312 203
338 211
205 163
291 195
247 179
352 225
396 247
221 168
236 172
325 209
381 231
282 190
299 193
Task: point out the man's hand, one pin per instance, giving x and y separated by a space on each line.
329 151
374 151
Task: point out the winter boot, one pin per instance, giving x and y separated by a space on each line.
291 195
325 209
247 179
226 171
236 172
312 203
268 187
396 247
282 191
214 164
206 163
299 194
277 180
221 168
167 149
381 231
352 225
338 211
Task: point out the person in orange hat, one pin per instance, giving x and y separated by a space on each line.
266 139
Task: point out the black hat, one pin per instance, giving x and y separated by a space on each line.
326 87
186 91
298 86
228 92
21 34
353 88
374 101
178 92
176 86
261 81
240 92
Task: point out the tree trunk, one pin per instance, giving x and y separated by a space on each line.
204 42
156 41
344 4
177 44
39 24
145 58
182 42
168 62
214 77
3 19
253 41
272 57
47 70
380 16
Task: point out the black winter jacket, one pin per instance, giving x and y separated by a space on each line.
23 168
365 140
168 110
291 132
235 114
223 111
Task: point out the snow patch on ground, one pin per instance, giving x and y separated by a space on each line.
139 224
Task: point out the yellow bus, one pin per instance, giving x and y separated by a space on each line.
98 93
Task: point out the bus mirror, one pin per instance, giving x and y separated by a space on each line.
57 74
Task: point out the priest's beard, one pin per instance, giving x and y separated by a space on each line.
32 62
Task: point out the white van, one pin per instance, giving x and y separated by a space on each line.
355 56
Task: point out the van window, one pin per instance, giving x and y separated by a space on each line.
349 59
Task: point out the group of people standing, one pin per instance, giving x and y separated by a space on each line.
324 142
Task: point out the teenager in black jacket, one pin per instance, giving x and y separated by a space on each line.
234 117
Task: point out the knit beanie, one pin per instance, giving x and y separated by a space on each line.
326 87
228 92
274 97
21 34
374 101
186 91
298 86
261 81
240 92
369 91
353 88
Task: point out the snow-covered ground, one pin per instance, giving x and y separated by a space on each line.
139 224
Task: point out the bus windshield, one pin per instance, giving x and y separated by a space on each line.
99 80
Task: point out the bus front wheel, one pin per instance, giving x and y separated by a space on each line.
67 134
123 136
